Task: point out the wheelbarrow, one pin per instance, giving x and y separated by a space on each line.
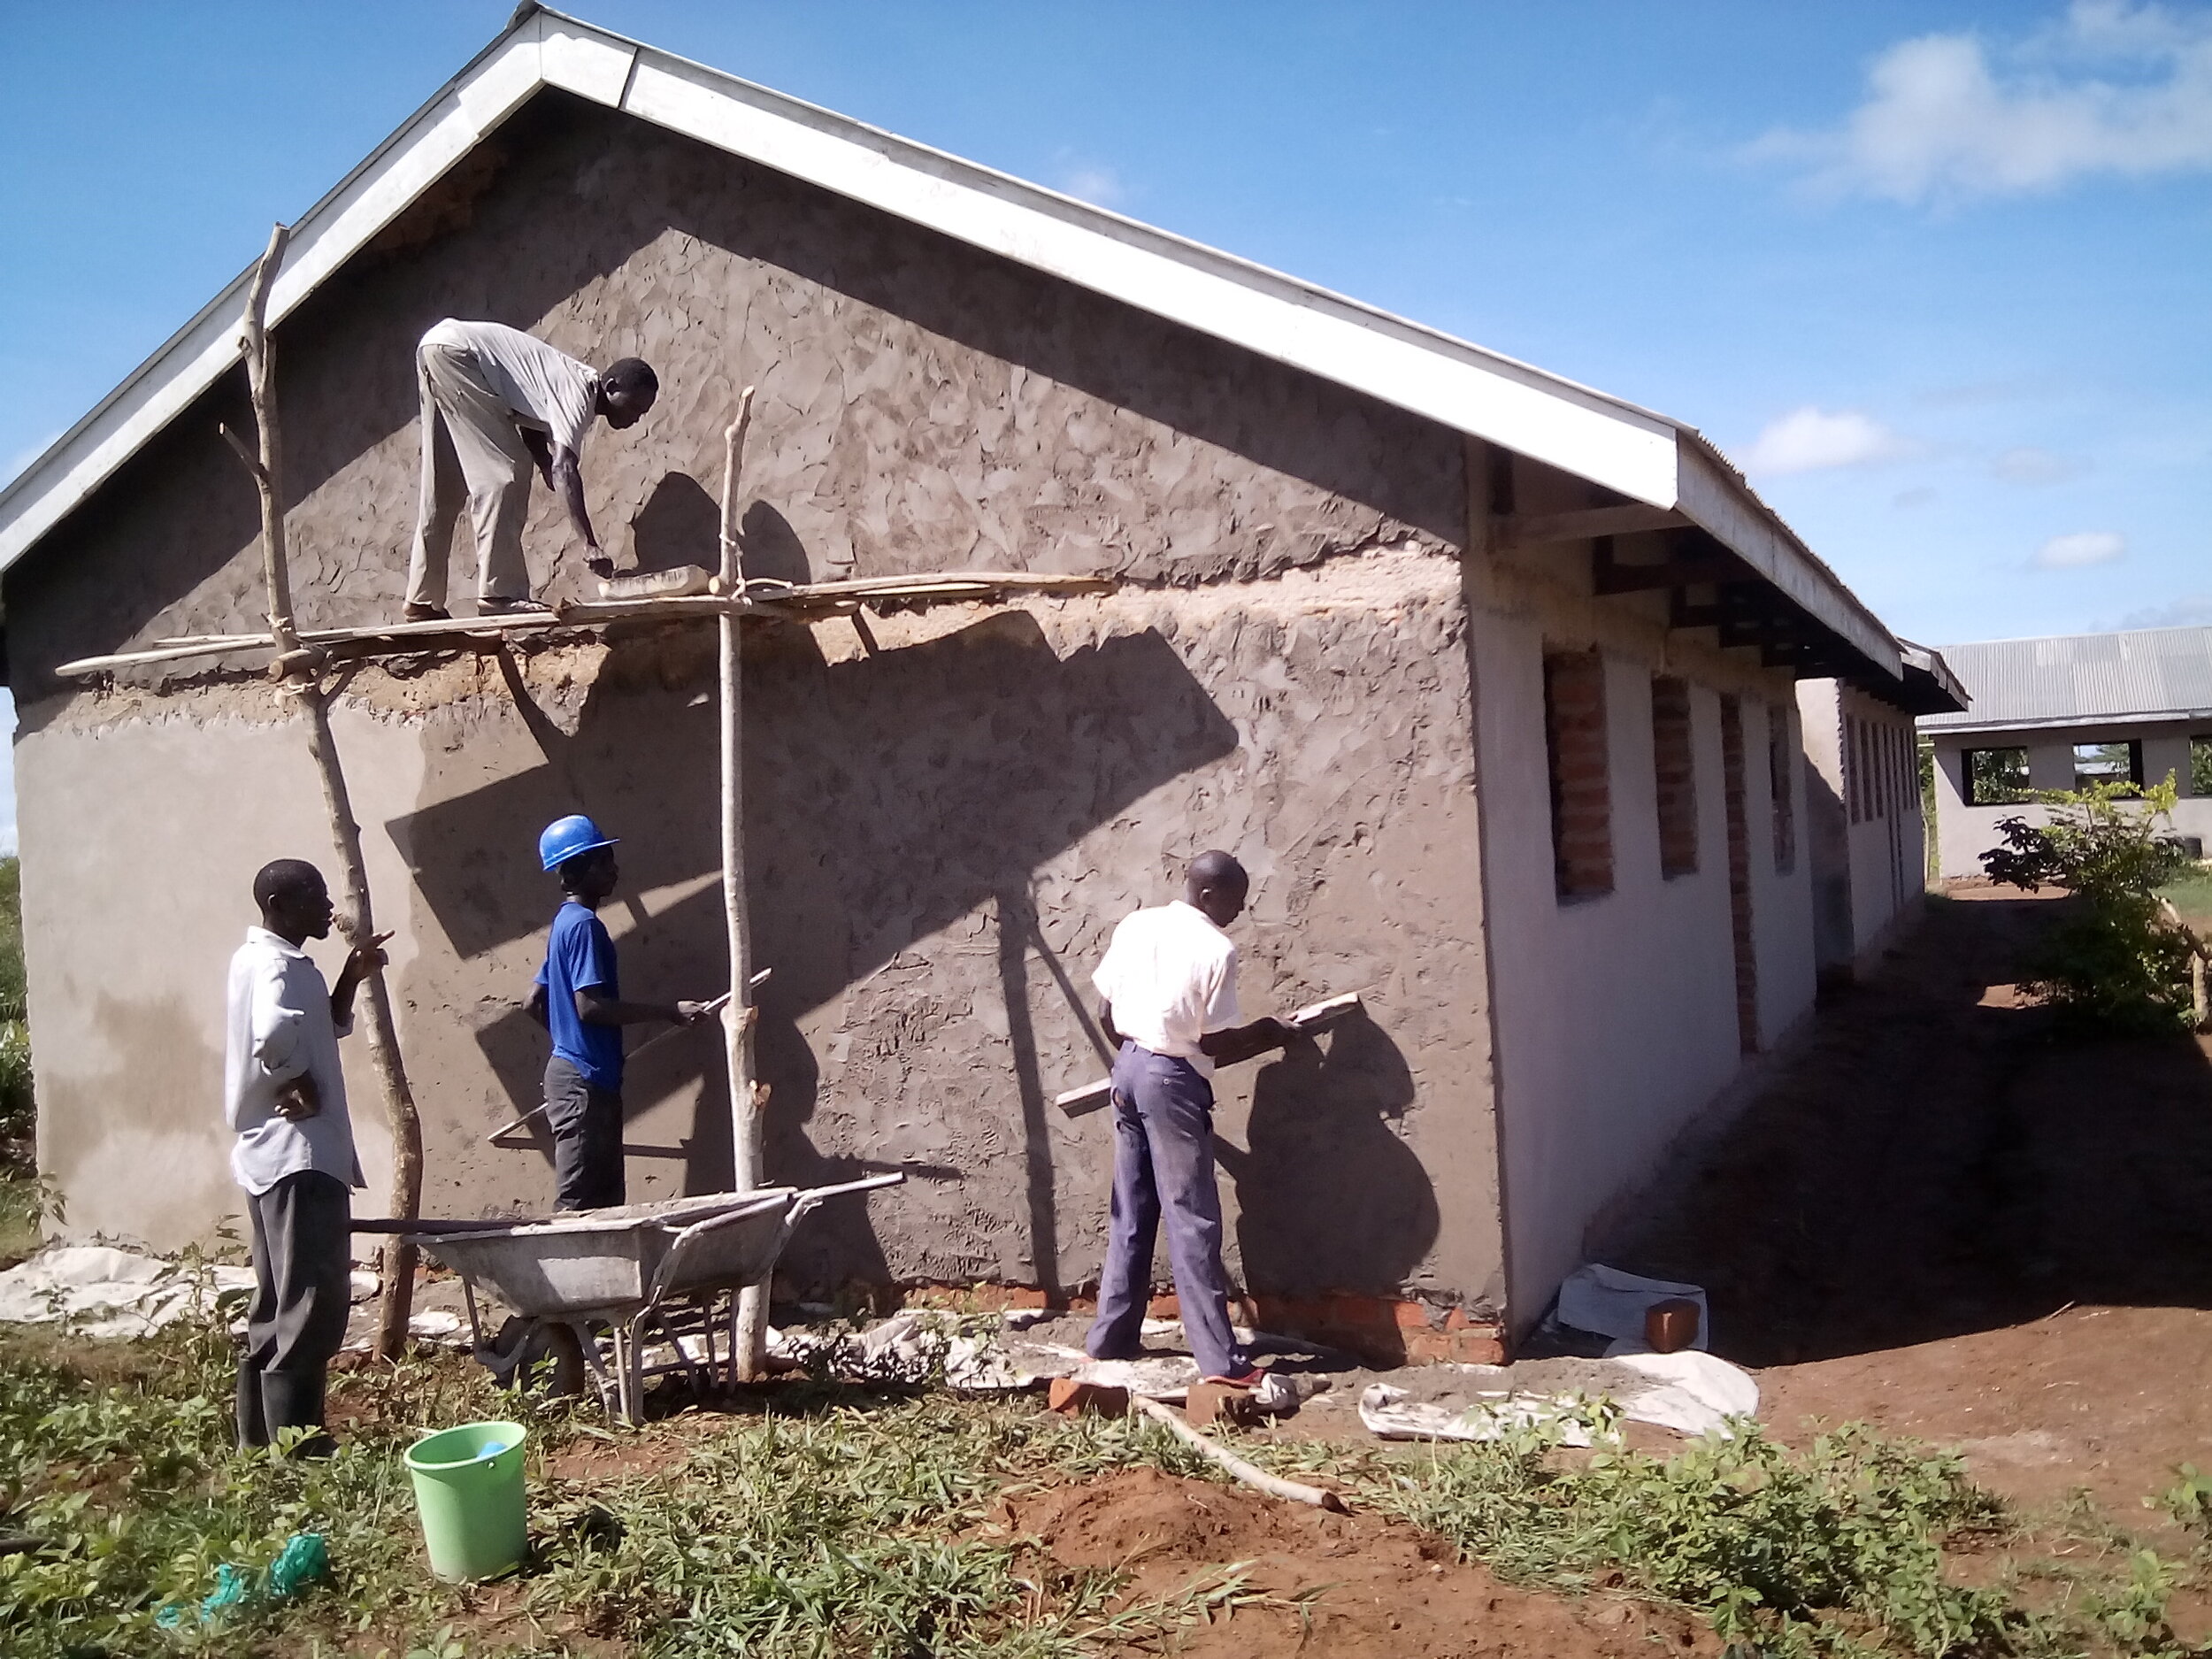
621 1268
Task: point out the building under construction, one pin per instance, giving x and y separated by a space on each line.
1490 679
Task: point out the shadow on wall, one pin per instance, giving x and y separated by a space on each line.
886 797
1328 1196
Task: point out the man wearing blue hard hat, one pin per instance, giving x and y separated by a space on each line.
579 999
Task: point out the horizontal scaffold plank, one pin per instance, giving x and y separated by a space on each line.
775 599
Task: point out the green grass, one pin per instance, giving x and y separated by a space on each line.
841 1522
838 1524
2191 892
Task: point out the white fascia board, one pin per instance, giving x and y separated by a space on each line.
1968 726
1716 503
336 228
1457 385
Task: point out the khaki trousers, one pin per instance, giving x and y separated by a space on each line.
471 450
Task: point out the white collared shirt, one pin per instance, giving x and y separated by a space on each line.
281 1027
1171 977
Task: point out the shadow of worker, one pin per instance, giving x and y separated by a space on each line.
1328 1196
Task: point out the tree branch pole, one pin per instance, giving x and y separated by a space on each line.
302 678
748 1334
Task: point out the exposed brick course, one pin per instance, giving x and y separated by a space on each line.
1674 762
1581 790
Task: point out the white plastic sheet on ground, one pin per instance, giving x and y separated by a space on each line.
1689 1392
1609 1302
107 1292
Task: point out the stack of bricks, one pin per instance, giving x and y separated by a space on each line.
1581 795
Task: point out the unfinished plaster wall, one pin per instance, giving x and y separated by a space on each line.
942 832
1963 833
1615 1015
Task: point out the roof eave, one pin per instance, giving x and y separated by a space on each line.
1638 454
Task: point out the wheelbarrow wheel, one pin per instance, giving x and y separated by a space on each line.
537 1354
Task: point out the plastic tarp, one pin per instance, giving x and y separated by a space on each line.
102 1291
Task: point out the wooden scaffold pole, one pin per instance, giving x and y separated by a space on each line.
299 672
748 1338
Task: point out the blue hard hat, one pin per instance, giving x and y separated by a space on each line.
570 837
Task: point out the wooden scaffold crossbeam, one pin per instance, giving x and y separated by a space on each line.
300 660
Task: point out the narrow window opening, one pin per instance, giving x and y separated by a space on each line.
1779 773
1676 770
1581 795
1996 777
2107 763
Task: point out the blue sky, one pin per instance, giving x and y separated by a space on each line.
1938 275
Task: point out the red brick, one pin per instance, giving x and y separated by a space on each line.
1211 1403
1073 1399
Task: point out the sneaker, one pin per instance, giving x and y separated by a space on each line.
524 607
426 613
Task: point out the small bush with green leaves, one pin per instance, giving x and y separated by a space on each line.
1796 1553
2114 964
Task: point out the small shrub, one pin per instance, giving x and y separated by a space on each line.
1790 1552
2114 964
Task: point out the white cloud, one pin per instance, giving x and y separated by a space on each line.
1810 439
2085 546
2114 89
1101 187
2193 611
2028 464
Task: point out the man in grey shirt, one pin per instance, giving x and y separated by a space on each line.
496 403
285 1096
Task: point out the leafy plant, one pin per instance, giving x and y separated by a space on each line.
1791 1554
17 1110
2190 1502
2114 963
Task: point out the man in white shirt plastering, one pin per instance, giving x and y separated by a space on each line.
1170 981
285 1096
504 402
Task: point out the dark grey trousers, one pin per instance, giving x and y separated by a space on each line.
586 1124
303 1268
1163 1163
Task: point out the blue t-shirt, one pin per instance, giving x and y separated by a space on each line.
580 955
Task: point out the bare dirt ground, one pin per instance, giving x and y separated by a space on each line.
1944 1219
1288 1578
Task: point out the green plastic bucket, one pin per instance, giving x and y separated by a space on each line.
468 1488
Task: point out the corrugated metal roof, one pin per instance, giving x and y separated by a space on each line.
2080 679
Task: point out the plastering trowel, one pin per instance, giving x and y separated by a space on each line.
676 582
1312 1017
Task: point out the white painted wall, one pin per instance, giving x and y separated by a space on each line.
1868 874
1615 1015
1964 832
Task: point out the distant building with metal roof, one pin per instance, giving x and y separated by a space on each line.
2141 674
2062 713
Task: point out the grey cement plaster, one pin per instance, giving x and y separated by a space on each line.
937 833
941 835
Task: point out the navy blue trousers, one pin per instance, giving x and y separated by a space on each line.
1164 1164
